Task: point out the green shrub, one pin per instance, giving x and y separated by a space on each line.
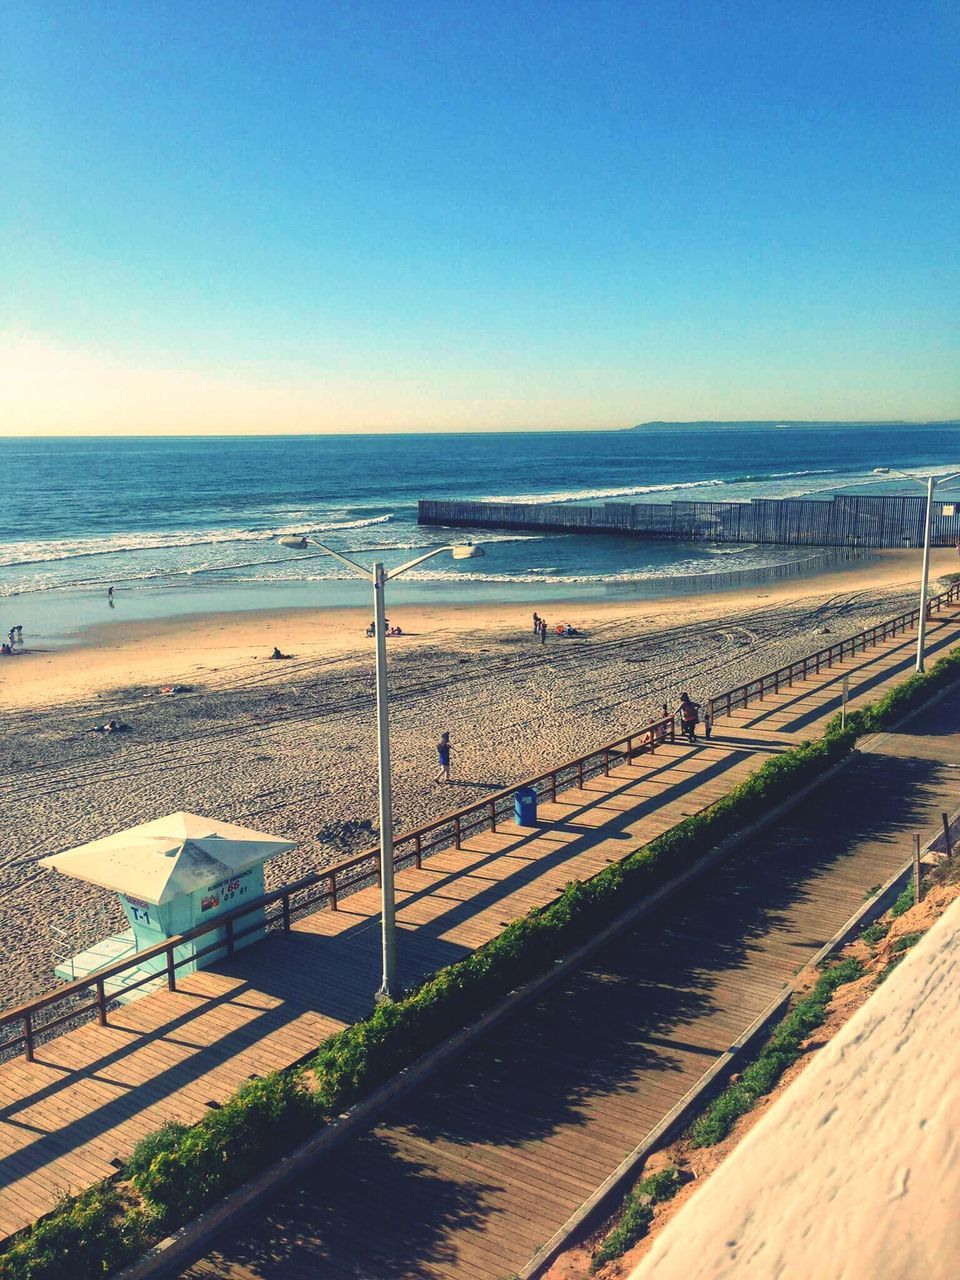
905 942
637 1214
781 1050
262 1121
166 1138
906 900
85 1238
875 933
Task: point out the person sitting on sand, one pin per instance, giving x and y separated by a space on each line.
372 629
5 650
112 726
277 654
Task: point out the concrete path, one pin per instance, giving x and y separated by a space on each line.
69 1118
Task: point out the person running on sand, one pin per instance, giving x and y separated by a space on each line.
443 756
689 716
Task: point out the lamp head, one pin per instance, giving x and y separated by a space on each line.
297 543
467 551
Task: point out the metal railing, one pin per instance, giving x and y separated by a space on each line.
783 678
278 909
326 887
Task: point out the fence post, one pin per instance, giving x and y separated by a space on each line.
333 889
418 845
553 786
493 815
27 1037
606 763
946 836
171 971
917 887
580 773
101 1003
456 832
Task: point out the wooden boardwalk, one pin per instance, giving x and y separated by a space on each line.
69 1117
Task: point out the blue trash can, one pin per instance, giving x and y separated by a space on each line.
525 807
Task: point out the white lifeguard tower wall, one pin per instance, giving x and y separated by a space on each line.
171 875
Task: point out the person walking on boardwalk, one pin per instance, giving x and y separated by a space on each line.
443 756
689 716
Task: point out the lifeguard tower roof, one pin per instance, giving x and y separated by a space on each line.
169 857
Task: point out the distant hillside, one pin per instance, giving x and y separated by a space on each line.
797 422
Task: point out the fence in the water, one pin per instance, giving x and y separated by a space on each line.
842 521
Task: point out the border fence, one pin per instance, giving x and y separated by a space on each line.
842 521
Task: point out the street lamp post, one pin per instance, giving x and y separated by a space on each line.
379 576
931 483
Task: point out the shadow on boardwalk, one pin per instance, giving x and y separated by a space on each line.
522 1128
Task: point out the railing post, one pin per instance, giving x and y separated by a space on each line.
171 971
553 786
729 696
286 912
101 1003
493 815
630 746
580 773
456 832
418 845
333 889
606 763
673 729
27 1037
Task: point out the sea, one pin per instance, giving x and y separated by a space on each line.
191 525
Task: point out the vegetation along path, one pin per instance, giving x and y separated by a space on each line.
471 1173
71 1116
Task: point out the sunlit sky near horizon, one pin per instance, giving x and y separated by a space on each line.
253 217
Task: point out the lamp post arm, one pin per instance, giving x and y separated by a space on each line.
357 568
412 564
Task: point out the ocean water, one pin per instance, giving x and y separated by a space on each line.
189 525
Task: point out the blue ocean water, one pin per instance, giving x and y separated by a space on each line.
184 525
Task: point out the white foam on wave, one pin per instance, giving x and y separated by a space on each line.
26 553
584 495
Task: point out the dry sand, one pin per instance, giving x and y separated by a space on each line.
289 746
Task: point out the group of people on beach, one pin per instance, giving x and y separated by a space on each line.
14 638
540 628
391 631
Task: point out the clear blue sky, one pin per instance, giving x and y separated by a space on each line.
375 215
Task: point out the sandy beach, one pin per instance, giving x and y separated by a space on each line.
289 746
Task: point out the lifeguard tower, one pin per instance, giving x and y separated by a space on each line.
171 875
